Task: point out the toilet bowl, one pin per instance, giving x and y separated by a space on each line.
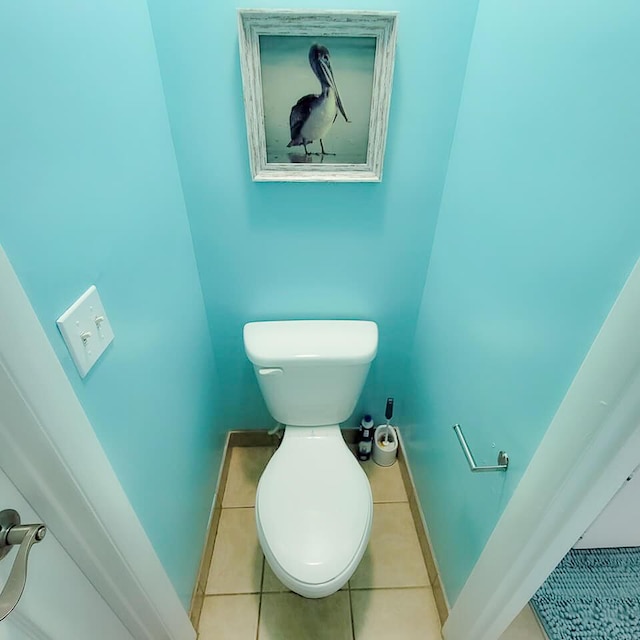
313 530
314 506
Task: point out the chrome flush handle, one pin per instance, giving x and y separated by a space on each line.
13 533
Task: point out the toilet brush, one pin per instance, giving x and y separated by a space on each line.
385 447
388 414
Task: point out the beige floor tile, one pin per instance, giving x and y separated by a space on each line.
409 614
386 482
393 557
271 583
229 617
524 627
287 616
236 565
245 468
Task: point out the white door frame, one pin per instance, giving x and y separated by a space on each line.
591 446
58 464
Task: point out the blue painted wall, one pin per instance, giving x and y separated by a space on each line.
535 235
274 251
90 193
538 229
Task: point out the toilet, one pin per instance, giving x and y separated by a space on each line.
313 505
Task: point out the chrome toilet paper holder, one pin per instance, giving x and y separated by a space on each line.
503 457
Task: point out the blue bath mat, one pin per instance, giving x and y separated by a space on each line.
593 594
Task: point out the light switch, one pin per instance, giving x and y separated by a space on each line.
86 330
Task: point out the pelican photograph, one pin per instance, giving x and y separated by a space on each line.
317 98
317 92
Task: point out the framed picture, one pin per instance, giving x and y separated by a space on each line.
317 90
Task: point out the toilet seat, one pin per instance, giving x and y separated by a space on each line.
313 511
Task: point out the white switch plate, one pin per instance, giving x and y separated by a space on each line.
86 330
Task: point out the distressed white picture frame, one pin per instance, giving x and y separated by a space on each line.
382 26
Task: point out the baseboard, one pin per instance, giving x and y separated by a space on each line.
197 599
253 438
263 438
423 534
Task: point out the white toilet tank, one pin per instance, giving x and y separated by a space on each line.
311 372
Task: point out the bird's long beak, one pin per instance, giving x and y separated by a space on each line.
328 74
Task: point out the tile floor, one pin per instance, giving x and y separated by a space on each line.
389 595
525 627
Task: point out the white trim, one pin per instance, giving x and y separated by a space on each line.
27 627
59 466
591 446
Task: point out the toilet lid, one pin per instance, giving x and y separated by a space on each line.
314 506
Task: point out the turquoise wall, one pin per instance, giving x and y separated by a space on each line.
90 193
536 232
277 251
538 229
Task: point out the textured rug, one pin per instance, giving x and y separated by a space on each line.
593 594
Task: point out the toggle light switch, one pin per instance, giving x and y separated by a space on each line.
86 330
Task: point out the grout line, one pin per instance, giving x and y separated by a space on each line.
232 593
353 624
264 562
428 587
239 506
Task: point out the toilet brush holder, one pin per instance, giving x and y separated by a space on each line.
384 453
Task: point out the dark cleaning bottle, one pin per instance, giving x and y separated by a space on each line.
365 438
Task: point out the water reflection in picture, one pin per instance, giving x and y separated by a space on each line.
317 98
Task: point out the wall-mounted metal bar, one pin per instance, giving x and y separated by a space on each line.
503 458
